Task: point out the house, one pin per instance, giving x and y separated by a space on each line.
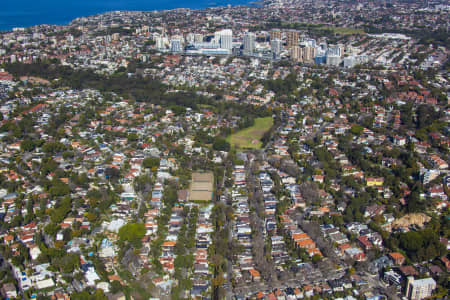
8 290
374 210
8 239
392 277
365 243
318 178
34 251
437 162
374 181
309 291
397 258
45 284
446 262
399 140
437 192
407 271
199 286
338 237
336 285
256 276
306 244
355 253
380 263
279 294
314 251
343 248
435 270
60 296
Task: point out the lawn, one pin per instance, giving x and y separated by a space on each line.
250 138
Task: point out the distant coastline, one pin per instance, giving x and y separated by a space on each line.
29 13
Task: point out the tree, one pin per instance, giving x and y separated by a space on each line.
132 233
316 258
27 145
17 260
414 202
220 144
151 162
422 245
133 137
170 195
116 287
357 129
59 213
426 115
59 188
84 295
309 191
143 184
53 147
112 173
67 263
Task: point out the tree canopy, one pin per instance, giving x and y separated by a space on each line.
220 144
132 232
151 162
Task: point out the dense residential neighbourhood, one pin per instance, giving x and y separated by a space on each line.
282 150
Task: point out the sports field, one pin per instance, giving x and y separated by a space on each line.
250 138
202 186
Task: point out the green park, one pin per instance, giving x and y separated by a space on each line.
250 138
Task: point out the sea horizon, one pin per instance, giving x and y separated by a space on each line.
29 13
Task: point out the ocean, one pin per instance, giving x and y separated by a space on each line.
25 13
